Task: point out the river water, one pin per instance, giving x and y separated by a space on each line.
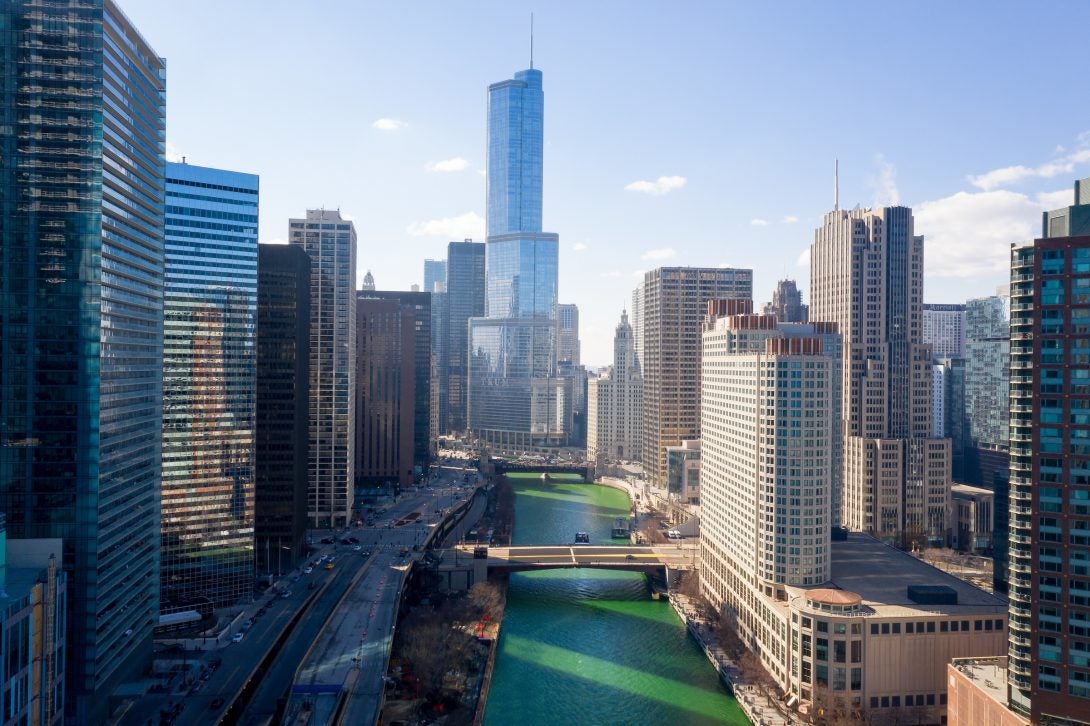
591 647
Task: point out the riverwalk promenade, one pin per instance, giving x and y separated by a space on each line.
759 708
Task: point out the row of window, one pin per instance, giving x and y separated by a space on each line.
920 699
944 626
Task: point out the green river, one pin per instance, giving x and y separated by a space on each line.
591 647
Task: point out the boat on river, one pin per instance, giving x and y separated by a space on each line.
620 528
582 538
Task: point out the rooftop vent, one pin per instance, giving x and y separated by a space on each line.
932 595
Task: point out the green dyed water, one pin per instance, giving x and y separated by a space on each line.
590 647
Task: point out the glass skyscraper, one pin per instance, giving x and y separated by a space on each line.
465 300
516 399
209 384
81 311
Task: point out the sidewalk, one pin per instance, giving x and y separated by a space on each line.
759 708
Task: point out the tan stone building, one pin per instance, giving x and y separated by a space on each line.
866 275
672 309
976 691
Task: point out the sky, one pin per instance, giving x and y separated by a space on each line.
680 133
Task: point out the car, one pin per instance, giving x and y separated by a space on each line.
326 540
309 570
357 548
630 557
286 595
323 558
329 565
237 638
295 578
262 611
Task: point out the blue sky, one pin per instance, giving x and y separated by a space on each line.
973 113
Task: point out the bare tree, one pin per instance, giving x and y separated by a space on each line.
488 599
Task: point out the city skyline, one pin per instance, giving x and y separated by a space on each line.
419 169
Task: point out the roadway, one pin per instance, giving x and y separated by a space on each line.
345 666
210 699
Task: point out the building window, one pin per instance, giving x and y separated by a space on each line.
840 654
857 651
857 679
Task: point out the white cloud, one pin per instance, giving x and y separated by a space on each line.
173 153
758 222
662 185
885 184
448 165
387 124
662 253
578 246
970 233
1007 175
790 219
612 274
1057 199
803 258
465 226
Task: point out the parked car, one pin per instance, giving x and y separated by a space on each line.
237 638
309 570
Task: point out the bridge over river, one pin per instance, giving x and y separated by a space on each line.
459 568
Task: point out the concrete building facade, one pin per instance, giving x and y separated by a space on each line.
674 303
787 303
330 241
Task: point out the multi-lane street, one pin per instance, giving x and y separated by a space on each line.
287 621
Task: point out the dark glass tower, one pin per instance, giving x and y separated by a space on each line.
82 106
208 387
418 305
465 300
283 385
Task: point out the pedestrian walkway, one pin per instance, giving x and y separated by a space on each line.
758 707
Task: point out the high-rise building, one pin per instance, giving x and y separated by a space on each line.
987 353
81 318
637 321
386 377
32 615
944 330
516 399
209 327
368 283
866 268
615 403
435 273
330 241
465 300
1049 587
416 308
767 436
846 626
674 302
787 304
567 344
282 437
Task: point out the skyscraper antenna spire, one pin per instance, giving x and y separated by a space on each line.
531 41
836 182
